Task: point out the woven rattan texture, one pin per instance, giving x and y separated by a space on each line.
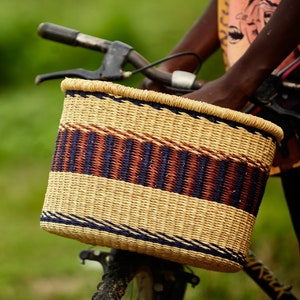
179 180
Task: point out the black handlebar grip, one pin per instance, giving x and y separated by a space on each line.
58 33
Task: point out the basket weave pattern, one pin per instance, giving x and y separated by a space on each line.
134 172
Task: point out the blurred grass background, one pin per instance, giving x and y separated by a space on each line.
34 264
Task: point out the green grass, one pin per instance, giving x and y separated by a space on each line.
35 264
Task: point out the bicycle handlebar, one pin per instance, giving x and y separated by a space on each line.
72 37
117 54
127 54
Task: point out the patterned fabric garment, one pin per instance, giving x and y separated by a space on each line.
240 21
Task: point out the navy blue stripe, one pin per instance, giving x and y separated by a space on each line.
108 153
129 144
220 178
142 234
145 164
183 161
88 163
200 176
73 151
255 190
162 171
238 184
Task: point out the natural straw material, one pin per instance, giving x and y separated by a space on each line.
157 174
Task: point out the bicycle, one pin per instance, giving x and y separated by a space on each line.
157 278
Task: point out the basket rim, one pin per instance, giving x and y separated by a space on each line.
75 84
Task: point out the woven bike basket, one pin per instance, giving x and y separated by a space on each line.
157 174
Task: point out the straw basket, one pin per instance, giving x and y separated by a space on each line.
157 174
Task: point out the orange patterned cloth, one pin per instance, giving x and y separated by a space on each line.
239 22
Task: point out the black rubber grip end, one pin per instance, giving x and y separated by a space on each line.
58 33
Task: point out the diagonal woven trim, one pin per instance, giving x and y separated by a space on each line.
146 137
94 87
162 166
142 234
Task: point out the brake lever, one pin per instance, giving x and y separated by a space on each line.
111 68
78 73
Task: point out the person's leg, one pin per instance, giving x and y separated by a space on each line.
291 186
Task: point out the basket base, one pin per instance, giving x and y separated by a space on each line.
115 214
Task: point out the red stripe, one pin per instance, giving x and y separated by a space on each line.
191 170
172 171
117 159
81 150
98 155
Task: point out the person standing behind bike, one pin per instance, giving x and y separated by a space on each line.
257 38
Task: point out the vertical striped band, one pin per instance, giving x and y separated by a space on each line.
199 173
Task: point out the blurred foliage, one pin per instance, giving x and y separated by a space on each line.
35 264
